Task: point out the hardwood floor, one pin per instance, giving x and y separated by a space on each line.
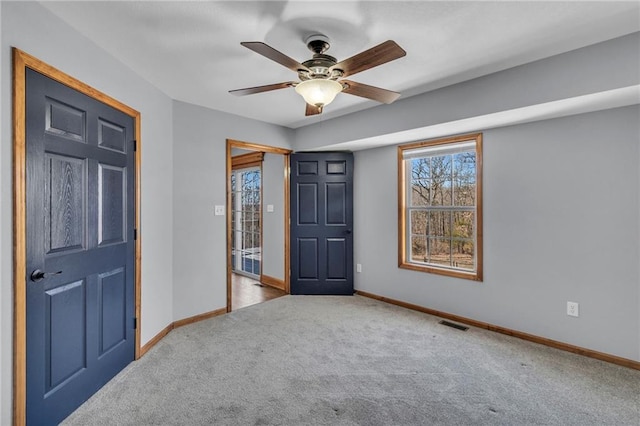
247 291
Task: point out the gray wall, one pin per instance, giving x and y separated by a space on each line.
548 188
35 30
199 245
273 223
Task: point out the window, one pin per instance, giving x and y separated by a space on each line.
440 206
246 245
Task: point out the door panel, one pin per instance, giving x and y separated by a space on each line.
308 199
65 186
336 203
80 219
307 259
336 167
65 120
321 223
307 167
111 136
65 315
112 206
112 292
336 259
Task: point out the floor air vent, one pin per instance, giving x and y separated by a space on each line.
454 325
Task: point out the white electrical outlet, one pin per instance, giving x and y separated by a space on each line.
358 267
573 309
219 210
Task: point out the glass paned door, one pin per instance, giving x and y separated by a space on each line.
246 253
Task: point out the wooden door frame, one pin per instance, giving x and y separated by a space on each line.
22 61
231 143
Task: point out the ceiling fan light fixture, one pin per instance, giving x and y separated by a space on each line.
319 75
319 92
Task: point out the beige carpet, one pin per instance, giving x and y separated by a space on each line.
316 360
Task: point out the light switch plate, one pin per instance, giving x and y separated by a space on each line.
269 208
219 210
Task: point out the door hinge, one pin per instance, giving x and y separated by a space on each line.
135 145
135 323
135 234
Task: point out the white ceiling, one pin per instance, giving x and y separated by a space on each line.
192 52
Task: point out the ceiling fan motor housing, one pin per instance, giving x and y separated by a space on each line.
320 66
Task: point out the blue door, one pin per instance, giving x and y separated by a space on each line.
322 223
80 247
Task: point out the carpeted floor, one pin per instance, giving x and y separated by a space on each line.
316 360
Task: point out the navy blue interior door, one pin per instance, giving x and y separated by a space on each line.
80 247
322 223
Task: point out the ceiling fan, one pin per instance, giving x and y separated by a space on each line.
321 77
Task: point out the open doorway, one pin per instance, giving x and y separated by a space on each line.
257 223
246 223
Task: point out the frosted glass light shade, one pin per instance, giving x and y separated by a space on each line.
319 92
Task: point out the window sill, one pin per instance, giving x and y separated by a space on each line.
473 276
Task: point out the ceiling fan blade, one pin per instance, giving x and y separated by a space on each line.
260 89
271 53
370 92
378 55
312 110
